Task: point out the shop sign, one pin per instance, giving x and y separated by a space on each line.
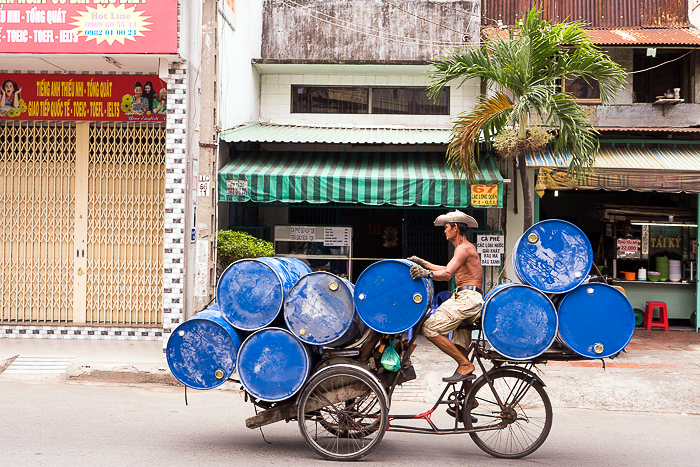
336 236
116 98
299 233
484 195
490 249
628 248
237 187
89 26
618 180
665 239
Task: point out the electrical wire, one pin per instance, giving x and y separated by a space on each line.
421 18
363 29
660 64
354 27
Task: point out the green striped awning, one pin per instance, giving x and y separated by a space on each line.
398 179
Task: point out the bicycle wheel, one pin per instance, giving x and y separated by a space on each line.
343 413
515 429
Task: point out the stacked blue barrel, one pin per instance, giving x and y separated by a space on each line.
273 315
244 330
271 318
556 300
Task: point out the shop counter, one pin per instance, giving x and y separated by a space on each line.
679 296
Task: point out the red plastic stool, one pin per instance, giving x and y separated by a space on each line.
649 320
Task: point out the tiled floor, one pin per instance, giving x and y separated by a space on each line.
647 341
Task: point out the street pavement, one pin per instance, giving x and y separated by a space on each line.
658 371
100 424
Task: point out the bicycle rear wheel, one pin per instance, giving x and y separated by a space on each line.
343 413
518 427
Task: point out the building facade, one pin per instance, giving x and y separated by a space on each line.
98 137
343 105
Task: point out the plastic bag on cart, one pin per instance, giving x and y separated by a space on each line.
390 358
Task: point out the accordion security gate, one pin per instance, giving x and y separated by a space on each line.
81 226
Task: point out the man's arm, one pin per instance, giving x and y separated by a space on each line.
445 273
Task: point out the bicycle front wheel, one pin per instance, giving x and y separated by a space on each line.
517 425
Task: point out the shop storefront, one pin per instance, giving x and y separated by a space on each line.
341 211
639 207
83 168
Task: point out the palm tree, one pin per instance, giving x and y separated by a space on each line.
526 105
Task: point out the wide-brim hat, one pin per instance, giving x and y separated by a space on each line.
456 216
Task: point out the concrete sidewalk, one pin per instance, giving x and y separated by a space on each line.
658 372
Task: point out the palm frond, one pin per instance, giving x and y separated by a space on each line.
462 65
575 135
489 116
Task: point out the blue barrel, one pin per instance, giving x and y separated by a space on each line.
553 256
519 321
251 292
319 310
388 300
273 364
201 352
595 320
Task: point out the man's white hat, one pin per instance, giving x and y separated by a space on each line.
456 216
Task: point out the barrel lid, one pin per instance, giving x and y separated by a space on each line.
596 320
553 256
319 309
273 364
201 352
519 321
388 300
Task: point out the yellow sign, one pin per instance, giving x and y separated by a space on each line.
484 195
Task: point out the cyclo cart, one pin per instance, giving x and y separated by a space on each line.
343 410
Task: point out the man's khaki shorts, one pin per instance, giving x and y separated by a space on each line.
464 305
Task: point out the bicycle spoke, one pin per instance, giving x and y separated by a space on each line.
519 424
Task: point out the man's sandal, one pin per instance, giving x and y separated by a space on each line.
457 377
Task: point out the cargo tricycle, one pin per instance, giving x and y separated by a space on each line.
344 409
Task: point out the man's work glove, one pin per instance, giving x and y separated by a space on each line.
418 272
416 260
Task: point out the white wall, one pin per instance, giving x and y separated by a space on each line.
239 81
694 13
276 95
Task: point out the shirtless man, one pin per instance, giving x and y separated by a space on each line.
465 303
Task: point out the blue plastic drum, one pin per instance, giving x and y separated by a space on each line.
201 352
519 321
273 364
595 320
251 292
553 256
388 300
319 310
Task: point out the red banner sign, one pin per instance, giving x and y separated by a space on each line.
124 98
88 26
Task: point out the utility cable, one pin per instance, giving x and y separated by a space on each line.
660 64
363 29
421 18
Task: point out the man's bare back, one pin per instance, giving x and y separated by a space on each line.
465 268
